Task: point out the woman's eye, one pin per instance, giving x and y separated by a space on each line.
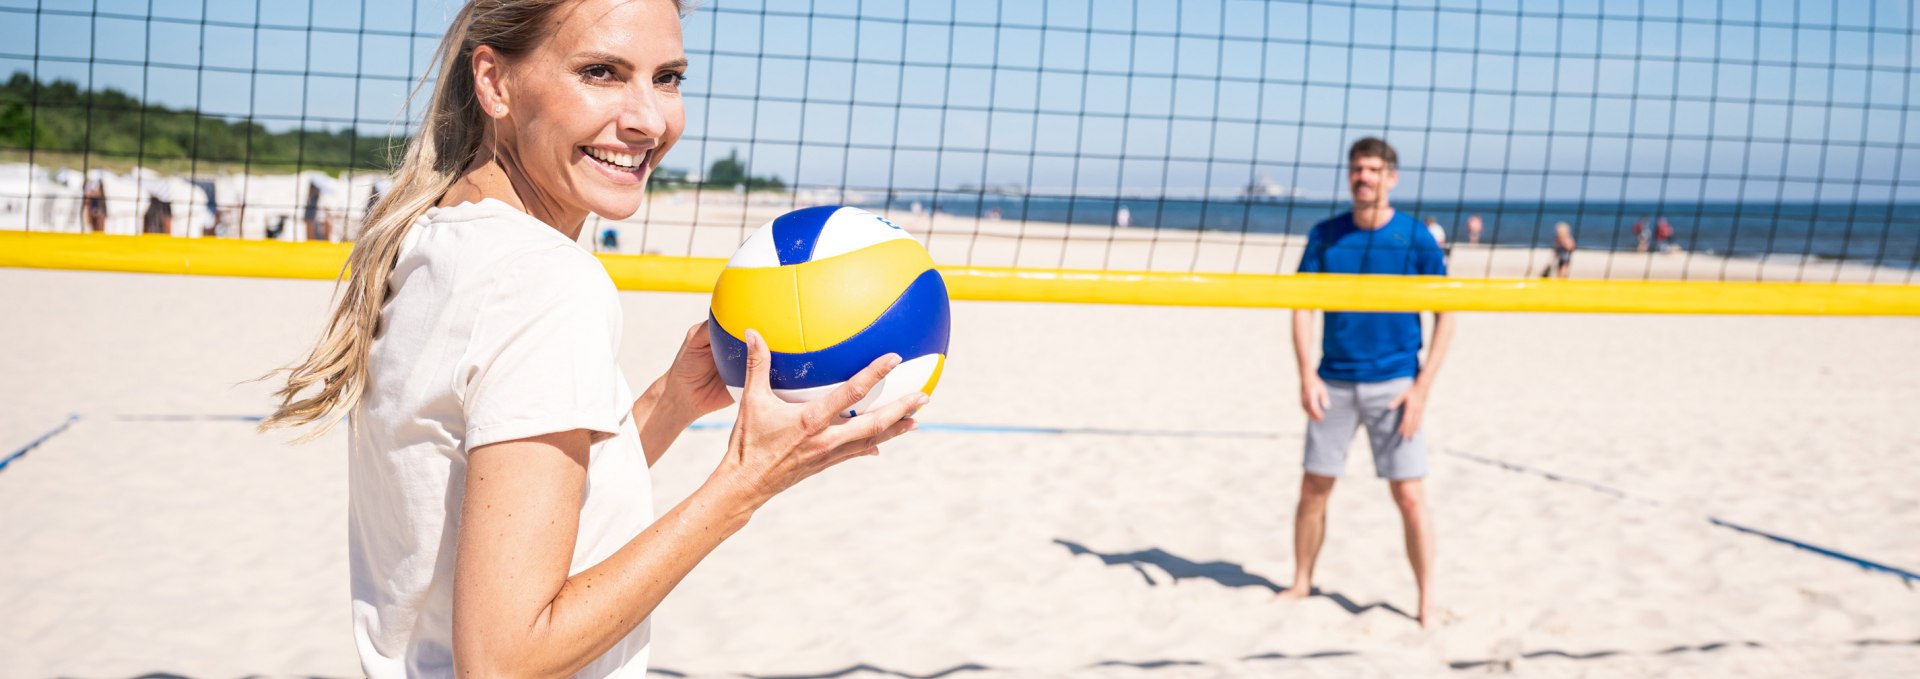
672 79
597 72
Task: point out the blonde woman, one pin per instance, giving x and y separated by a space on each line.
500 520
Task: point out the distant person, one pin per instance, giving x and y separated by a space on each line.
93 203
159 217
1640 235
993 214
1473 229
319 227
610 239
1439 232
1123 217
1563 245
1663 236
210 210
1370 373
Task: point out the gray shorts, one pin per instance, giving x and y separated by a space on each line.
1365 403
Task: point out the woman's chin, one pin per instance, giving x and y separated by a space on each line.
619 208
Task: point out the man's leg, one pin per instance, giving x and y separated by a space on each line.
1309 532
1403 463
1326 456
1417 519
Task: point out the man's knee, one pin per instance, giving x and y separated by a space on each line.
1315 489
1410 495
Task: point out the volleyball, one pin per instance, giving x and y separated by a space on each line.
830 289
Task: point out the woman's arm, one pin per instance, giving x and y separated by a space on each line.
515 610
691 388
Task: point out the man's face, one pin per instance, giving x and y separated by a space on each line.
1369 178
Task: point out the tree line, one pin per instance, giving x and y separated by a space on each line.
114 129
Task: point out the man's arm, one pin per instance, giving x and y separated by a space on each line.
1415 398
1313 393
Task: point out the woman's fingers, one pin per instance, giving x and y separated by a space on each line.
871 444
875 422
759 362
854 390
697 336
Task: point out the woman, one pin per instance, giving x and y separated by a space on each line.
93 203
499 513
1563 245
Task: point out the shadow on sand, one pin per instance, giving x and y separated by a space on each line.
1225 573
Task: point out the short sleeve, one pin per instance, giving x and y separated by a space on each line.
543 355
1428 258
1312 259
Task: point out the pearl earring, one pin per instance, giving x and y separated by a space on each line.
499 109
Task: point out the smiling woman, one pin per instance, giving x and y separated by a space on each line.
500 519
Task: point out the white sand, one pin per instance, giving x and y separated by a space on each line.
195 547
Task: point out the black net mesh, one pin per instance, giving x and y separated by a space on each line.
1712 140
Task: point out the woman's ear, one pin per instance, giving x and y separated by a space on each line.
490 81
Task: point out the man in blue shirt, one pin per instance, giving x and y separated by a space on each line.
1370 373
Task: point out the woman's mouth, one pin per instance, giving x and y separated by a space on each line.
618 161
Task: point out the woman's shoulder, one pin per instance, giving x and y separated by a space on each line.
507 241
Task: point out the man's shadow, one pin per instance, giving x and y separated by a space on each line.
1222 572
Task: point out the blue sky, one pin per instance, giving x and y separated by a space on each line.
1680 99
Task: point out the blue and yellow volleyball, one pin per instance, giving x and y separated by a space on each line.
831 289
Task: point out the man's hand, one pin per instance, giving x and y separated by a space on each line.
1313 396
1414 402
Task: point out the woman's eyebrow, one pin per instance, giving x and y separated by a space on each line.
607 57
622 62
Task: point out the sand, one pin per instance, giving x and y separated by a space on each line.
1146 541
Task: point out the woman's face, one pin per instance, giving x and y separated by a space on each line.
595 105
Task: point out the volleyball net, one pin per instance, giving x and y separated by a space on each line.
1701 156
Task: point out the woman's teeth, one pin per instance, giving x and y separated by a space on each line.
624 161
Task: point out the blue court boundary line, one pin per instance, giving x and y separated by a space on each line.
1865 564
710 425
15 455
713 425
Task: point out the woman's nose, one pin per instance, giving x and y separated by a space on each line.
642 115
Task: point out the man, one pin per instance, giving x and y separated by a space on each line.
1370 373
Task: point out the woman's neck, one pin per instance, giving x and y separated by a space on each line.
497 176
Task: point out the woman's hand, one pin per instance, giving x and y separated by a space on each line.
776 444
693 380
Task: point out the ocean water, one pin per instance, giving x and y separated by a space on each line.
1878 233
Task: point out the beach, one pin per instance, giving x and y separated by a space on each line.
1099 491
709 222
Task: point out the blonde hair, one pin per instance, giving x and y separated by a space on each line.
447 142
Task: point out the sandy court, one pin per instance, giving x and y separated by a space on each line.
1144 541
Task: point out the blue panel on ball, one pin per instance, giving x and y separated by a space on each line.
794 233
916 325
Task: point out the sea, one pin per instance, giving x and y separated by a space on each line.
1886 234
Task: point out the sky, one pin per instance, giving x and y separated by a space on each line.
1485 99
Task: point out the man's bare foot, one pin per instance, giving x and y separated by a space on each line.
1294 593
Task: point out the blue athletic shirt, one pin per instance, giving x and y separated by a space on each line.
1363 346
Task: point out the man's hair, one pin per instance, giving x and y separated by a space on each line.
1374 147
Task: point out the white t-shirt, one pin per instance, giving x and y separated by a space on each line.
498 328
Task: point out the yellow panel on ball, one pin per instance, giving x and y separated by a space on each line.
842 295
766 300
